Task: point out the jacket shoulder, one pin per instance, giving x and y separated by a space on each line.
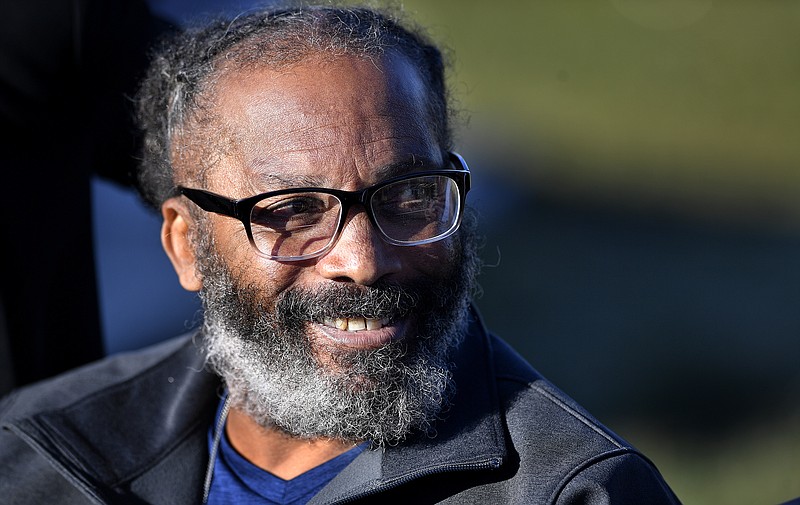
555 437
80 434
72 386
533 405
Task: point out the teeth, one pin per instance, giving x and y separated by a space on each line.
355 323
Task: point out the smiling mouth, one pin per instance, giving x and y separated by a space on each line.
355 324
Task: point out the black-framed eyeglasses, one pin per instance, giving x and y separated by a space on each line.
302 223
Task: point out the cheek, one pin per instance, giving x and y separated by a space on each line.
230 237
246 267
433 260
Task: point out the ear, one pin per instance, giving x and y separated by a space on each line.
175 240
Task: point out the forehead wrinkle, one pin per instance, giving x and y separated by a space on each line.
376 142
263 182
330 133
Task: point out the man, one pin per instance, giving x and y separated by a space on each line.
301 160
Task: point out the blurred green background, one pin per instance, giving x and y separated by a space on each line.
636 171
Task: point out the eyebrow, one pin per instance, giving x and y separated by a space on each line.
288 181
282 181
404 166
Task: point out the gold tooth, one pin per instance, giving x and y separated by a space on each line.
356 324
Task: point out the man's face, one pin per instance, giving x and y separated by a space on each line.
365 320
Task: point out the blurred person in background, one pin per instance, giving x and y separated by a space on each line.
68 70
302 161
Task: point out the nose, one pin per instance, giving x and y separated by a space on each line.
359 255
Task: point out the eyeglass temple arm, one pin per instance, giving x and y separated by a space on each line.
211 202
461 163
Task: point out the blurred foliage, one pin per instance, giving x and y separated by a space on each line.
754 466
685 104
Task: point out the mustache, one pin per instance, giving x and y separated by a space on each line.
380 301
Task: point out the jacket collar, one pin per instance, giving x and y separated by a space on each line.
148 433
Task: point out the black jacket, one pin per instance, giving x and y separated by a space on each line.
133 429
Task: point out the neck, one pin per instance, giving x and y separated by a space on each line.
276 452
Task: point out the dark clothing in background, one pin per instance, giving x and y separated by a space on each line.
67 72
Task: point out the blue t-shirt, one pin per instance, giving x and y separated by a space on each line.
237 481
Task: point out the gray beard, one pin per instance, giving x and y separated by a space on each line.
380 395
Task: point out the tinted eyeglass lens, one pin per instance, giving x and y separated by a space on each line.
295 224
417 209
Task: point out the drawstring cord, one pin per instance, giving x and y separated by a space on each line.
212 457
